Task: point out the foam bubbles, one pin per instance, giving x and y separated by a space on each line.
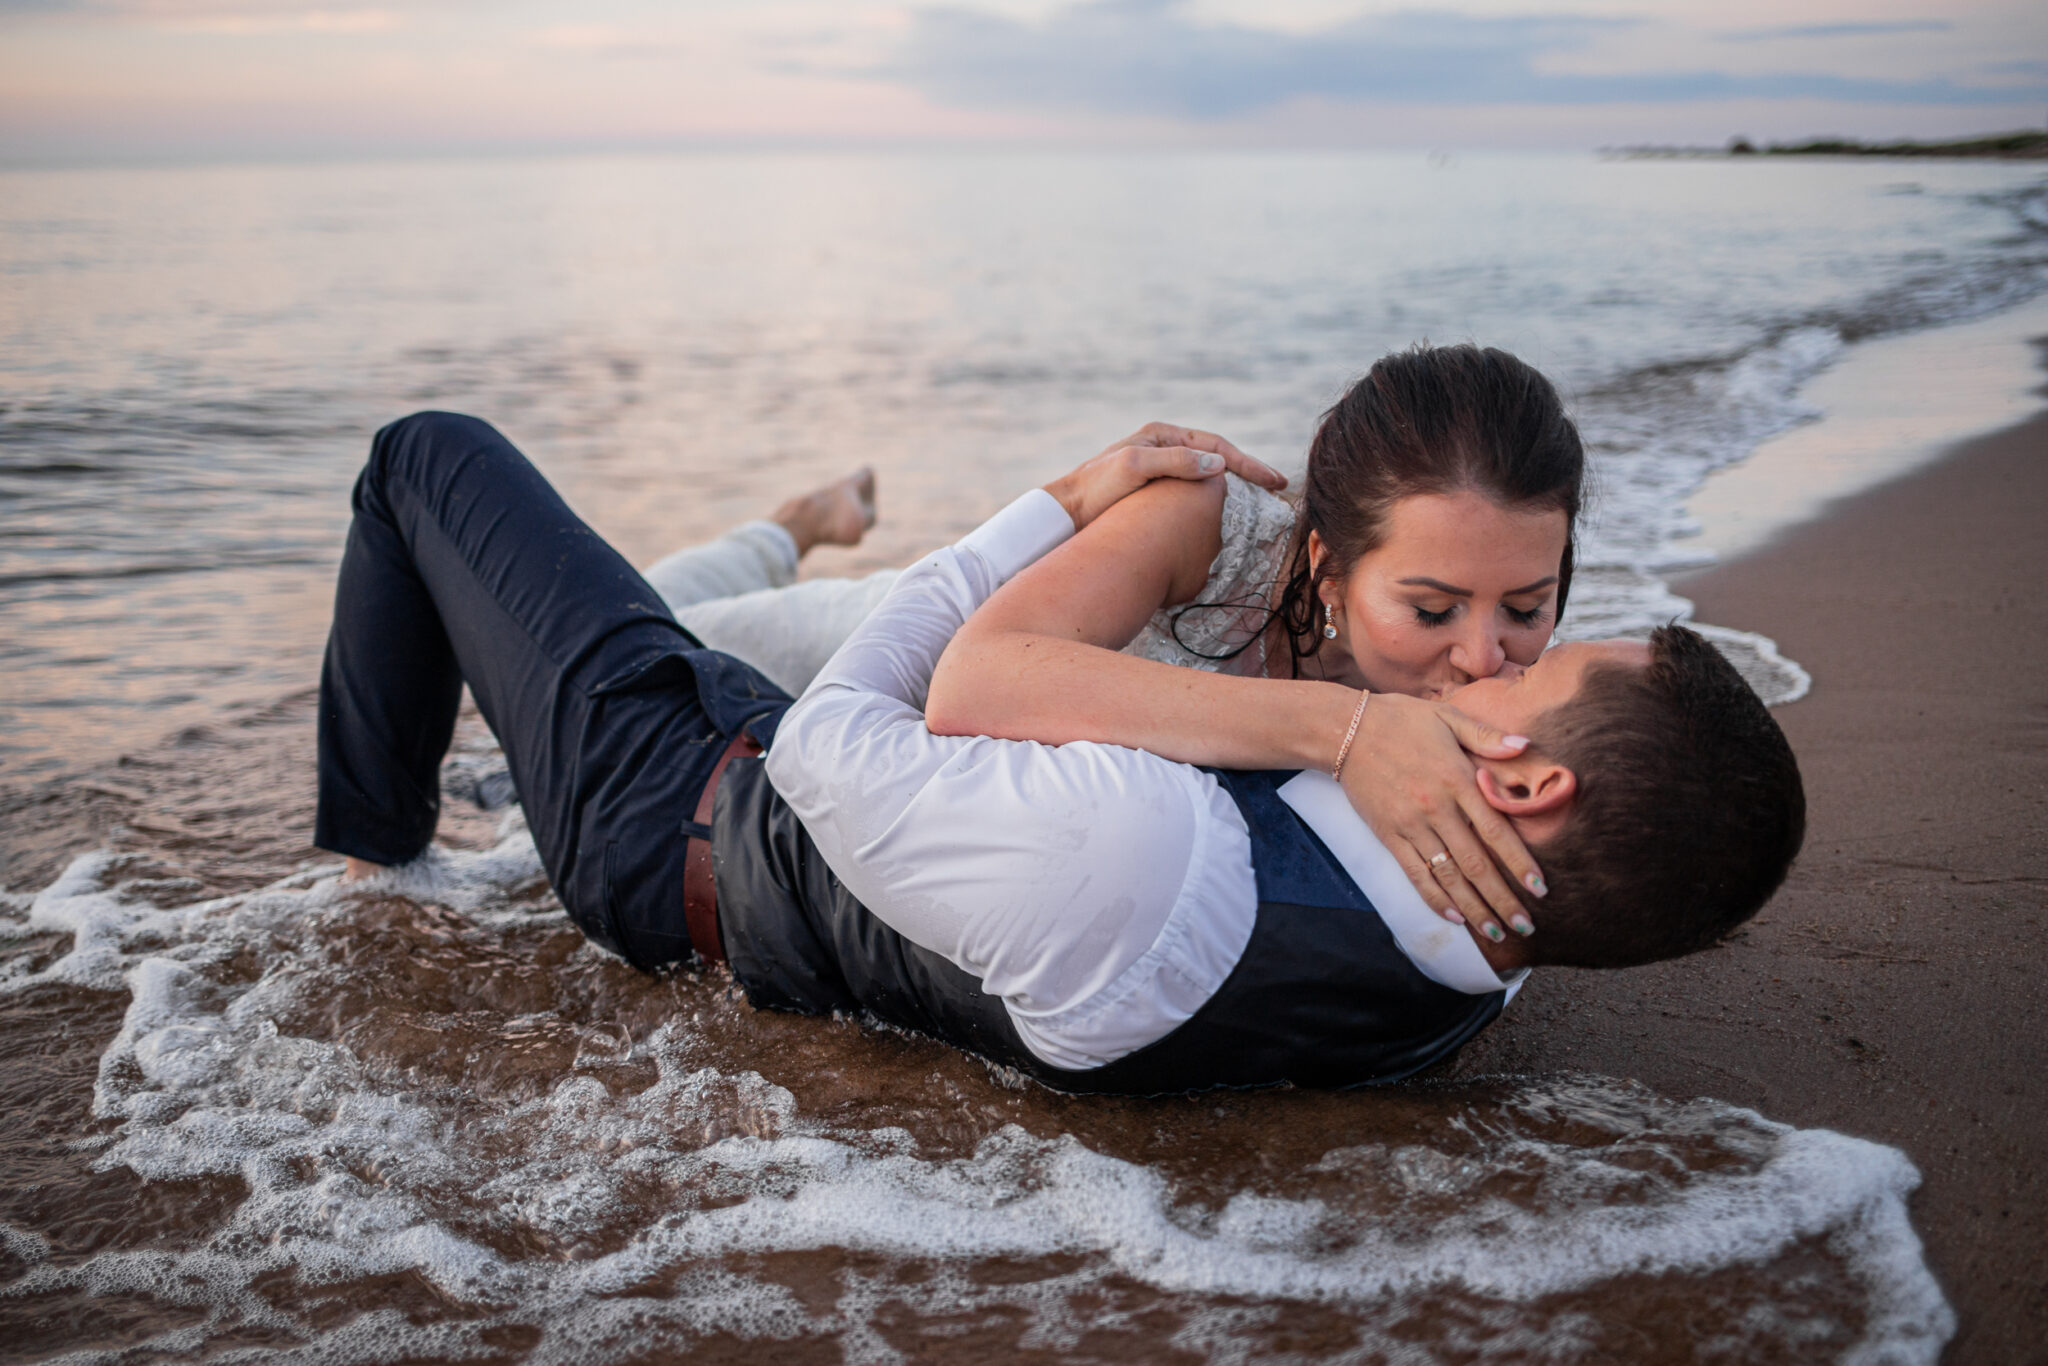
1654 437
1655 433
598 1220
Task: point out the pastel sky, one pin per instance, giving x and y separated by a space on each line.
181 78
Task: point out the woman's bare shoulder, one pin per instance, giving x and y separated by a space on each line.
1178 522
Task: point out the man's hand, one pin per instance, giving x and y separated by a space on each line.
1158 450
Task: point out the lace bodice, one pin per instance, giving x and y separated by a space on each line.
1233 605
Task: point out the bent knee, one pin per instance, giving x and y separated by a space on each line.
422 449
425 435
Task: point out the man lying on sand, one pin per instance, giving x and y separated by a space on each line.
1027 902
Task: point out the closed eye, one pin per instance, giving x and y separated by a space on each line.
1525 616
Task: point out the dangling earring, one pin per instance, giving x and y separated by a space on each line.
1329 626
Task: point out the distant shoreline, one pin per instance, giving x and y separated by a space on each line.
2026 145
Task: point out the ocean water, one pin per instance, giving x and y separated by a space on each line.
247 1111
192 359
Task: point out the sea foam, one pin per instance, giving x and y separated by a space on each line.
599 1223
1654 433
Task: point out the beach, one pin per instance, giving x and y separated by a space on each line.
1885 993
1781 268
249 1108
1889 990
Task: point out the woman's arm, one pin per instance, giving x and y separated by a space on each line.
1040 661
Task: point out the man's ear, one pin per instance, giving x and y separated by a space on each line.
1529 786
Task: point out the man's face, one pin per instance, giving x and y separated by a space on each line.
1516 697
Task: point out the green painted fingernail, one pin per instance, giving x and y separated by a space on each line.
1522 925
1493 933
1534 882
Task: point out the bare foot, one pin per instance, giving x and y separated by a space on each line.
840 513
359 868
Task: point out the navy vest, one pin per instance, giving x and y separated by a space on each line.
1322 996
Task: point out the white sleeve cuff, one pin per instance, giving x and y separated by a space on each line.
1020 534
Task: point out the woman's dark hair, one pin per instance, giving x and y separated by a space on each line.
1432 419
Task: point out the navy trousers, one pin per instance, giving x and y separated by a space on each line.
465 566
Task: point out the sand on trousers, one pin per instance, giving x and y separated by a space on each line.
1892 990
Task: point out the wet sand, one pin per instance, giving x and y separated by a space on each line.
1890 990
455 1068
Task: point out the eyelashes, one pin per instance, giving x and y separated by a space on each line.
1531 617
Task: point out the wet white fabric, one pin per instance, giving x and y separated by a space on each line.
788 633
1103 893
757 554
739 594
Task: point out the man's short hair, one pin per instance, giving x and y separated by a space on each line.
1688 813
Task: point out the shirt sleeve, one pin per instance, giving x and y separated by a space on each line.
899 645
1103 893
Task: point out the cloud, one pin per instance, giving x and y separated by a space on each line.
1144 56
1852 30
1149 57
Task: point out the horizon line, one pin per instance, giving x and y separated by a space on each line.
137 159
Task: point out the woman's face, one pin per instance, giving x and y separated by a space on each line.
1457 586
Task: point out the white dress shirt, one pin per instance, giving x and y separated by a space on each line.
1102 893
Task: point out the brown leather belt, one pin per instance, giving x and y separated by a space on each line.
700 892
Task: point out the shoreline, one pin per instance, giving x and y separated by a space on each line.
2020 144
1887 408
1887 990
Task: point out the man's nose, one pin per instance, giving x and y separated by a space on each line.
1478 652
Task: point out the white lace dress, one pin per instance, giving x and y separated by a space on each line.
1235 604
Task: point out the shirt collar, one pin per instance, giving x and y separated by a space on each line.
1440 951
